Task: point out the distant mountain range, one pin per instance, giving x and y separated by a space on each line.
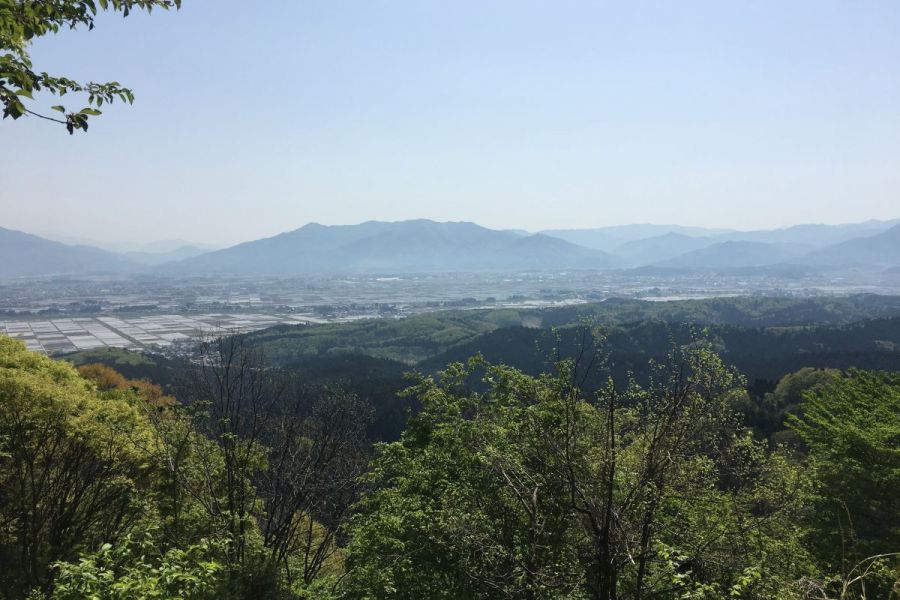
659 248
162 257
423 246
419 246
156 248
610 238
810 234
737 255
26 254
882 249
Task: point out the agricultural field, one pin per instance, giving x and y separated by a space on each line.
59 336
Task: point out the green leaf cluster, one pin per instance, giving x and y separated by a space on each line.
851 430
507 485
22 21
137 569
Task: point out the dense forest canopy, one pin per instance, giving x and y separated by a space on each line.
562 474
765 338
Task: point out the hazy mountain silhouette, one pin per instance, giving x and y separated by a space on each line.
816 235
403 247
881 250
735 255
423 246
659 248
172 245
610 238
25 254
158 258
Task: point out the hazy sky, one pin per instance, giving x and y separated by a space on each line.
253 118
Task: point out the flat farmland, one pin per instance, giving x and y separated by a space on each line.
59 336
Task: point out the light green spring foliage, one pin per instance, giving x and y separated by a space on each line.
852 430
106 492
431 529
23 21
136 570
82 475
502 493
71 464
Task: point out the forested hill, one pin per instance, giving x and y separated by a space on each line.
422 337
469 457
766 353
765 338
141 478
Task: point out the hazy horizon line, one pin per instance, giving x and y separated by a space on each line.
135 246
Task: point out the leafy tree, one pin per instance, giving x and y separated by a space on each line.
441 521
21 22
71 466
136 568
851 428
530 489
769 413
106 378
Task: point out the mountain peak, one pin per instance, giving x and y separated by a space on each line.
417 245
26 254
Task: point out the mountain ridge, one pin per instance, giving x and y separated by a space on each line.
419 245
426 246
25 254
882 249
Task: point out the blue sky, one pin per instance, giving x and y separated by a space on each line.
253 118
